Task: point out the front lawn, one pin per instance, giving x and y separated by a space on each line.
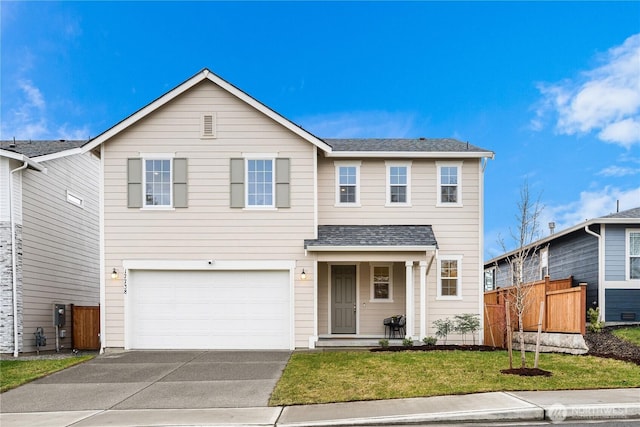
362 375
630 334
14 373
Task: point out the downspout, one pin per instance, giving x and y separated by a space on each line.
601 304
14 259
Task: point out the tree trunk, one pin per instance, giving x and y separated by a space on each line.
521 332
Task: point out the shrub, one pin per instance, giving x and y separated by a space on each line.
407 342
467 323
384 343
429 340
443 328
595 324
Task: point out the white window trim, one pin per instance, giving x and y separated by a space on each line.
493 271
627 257
156 156
75 200
389 165
372 297
544 261
337 166
458 296
439 166
249 157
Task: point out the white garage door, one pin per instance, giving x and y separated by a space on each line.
209 310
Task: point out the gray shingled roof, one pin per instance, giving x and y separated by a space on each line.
40 148
630 213
412 145
373 235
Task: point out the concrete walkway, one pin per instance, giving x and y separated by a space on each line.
214 388
553 406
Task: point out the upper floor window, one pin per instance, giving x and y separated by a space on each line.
633 249
348 183
260 183
157 182
381 283
398 183
449 184
449 277
489 279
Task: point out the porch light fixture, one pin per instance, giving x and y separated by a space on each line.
303 275
114 274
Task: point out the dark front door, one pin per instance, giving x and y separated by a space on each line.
343 299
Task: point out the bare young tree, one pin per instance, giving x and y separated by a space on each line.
521 261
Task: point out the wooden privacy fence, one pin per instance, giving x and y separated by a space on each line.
564 309
86 327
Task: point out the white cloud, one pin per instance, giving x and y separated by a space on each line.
592 204
30 119
619 171
370 124
605 99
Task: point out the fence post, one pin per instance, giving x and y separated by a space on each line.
542 311
509 344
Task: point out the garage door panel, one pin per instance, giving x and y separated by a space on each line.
209 310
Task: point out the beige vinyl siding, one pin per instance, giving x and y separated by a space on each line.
60 243
208 228
457 229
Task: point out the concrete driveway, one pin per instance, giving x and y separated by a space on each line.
155 380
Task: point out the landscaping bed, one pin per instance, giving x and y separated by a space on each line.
606 344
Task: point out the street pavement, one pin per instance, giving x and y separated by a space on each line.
232 388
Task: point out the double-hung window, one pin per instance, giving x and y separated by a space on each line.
449 277
633 250
381 283
260 183
157 182
449 184
398 184
348 183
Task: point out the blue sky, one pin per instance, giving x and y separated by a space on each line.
553 88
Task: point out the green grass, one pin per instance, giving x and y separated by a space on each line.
631 334
352 376
14 373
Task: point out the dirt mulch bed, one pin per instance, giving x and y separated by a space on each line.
527 372
605 344
447 347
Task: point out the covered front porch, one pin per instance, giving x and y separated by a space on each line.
382 273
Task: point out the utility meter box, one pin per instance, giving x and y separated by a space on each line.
58 314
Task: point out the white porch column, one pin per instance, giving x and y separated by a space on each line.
423 299
409 299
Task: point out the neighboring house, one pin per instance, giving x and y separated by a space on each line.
226 226
603 252
49 195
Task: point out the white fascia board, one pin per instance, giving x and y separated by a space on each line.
410 154
371 248
172 94
22 158
206 264
59 155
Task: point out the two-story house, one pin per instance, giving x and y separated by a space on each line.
602 252
227 226
49 240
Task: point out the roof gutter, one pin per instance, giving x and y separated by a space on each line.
601 304
14 258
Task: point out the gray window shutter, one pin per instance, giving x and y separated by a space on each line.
237 183
282 184
134 183
180 195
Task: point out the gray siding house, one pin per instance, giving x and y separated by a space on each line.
49 239
603 252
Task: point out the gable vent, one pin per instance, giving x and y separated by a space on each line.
208 125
